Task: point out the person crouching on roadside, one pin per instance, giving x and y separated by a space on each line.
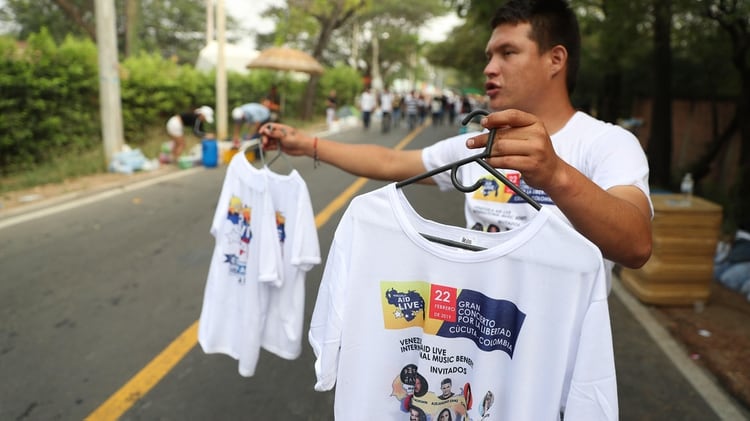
194 119
252 114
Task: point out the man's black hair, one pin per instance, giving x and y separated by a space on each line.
553 23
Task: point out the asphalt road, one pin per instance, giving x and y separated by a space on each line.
99 304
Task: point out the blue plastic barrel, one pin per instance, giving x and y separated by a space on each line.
210 152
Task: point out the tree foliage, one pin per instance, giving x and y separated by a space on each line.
312 23
396 25
169 28
342 32
49 92
50 102
463 49
733 17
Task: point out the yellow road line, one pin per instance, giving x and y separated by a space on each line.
148 377
337 203
162 364
323 216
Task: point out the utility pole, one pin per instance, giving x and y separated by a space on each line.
221 72
110 105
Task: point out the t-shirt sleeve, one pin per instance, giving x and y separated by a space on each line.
619 160
270 258
306 247
220 214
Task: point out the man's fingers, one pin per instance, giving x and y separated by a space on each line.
477 142
266 129
508 118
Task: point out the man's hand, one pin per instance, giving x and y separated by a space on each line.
523 144
291 141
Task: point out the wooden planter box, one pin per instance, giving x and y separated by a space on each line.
680 271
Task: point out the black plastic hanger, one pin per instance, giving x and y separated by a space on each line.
280 154
479 159
257 142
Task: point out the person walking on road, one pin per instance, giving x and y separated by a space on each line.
411 106
386 109
367 105
331 105
594 174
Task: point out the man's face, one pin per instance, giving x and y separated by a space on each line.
516 74
446 388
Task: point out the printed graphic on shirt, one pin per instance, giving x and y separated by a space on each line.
405 306
238 235
437 386
492 324
413 392
493 190
280 227
489 204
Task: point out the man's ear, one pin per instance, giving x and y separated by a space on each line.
558 59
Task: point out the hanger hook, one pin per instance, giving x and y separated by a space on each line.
491 137
457 184
473 114
485 154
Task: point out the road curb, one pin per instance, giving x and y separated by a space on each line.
702 381
75 199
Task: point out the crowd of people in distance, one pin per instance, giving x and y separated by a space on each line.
414 108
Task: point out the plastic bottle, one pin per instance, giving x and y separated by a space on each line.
686 187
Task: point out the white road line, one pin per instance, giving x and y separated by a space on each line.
66 203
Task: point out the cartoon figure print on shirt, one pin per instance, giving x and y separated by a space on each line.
238 238
281 228
438 383
493 192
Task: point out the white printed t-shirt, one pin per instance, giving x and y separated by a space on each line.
245 262
300 249
605 153
524 323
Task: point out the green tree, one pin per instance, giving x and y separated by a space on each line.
660 143
336 32
463 49
172 28
389 31
310 25
733 17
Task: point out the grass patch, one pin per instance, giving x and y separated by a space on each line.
63 167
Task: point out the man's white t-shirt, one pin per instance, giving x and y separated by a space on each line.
605 153
298 236
386 102
525 321
367 101
246 262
